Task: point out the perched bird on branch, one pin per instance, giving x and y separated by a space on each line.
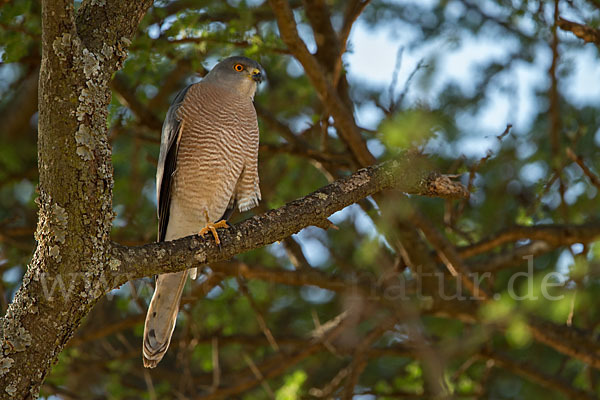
207 166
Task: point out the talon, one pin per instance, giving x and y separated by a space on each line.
212 228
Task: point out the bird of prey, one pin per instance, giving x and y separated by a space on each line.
207 165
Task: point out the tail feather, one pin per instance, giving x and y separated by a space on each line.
162 316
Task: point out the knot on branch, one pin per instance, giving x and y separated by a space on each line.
586 33
443 186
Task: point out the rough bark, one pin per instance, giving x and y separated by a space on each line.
79 55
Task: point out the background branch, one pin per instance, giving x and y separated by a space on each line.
587 33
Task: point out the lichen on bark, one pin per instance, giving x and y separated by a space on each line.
79 55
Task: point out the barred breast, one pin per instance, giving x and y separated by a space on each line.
219 138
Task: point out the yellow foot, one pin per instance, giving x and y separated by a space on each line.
212 227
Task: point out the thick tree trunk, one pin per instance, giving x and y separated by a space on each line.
79 55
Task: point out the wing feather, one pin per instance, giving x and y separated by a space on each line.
167 162
228 211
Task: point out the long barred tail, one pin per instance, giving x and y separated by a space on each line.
162 316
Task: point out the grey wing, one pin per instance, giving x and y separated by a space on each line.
228 211
167 162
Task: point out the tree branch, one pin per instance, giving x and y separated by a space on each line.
447 252
344 120
586 170
514 257
279 363
531 372
566 340
361 356
587 33
571 341
127 97
275 225
555 235
17 114
353 11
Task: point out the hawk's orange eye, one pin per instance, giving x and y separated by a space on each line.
238 67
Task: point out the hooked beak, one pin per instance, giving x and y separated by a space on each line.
257 75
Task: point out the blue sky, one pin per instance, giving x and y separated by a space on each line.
373 58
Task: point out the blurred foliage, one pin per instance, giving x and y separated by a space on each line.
518 180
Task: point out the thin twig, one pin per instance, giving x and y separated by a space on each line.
448 254
393 83
361 359
594 179
215 364
343 117
533 373
353 11
149 384
259 316
259 376
473 171
555 234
